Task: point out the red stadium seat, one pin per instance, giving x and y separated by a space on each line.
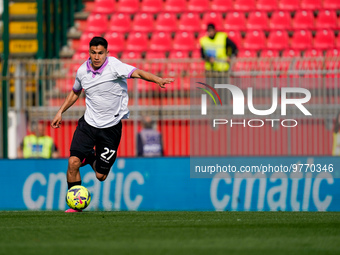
190 22
267 5
85 40
160 41
166 22
104 6
254 40
337 41
313 53
303 20
81 55
257 21
214 18
137 41
310 4
289 5
333 53
128 6
243 64
301 40
269 53
247 54
280 20
143 22
178 54
198 5
308 62
97 23
268 61
177 6
278 40
324 39
290 53
331 4
184 41
326 19
236 37
116 42
152 6
155 55
235 21
288 58
244 5
221 5
120 22
131 55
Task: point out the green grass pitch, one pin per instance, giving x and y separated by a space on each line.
54 232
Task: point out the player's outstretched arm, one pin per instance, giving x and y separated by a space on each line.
151 77
69 101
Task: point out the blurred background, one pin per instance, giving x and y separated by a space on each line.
280 43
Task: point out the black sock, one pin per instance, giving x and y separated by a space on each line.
71 184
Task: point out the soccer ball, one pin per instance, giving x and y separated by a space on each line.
78 197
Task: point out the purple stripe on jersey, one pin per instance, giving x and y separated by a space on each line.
75 90
94 72
129 76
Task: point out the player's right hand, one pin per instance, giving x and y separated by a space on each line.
56 121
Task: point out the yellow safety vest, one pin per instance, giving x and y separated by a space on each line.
37 147
336 144
215 48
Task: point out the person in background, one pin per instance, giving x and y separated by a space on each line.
216 48
336 136
37 144
149 140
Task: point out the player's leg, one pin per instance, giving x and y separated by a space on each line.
106 150
82 145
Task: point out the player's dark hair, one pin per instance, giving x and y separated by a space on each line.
211 26
336 124
97 40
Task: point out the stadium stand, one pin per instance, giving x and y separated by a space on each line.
104 7
235 21
289 5
177 6
267 5
221 5
97 23
198 5
128 6
120 22
280 20
245 5
214 18
152 6
190 22
160 41
278 40
280 36
143 22
326 19
303 20
257 21
166 22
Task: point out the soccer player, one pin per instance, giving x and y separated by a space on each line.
103 79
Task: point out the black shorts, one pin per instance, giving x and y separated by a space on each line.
106 141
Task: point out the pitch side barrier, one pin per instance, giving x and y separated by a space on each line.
172 184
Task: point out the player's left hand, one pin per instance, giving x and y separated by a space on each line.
164 81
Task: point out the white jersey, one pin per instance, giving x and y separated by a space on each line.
105 91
